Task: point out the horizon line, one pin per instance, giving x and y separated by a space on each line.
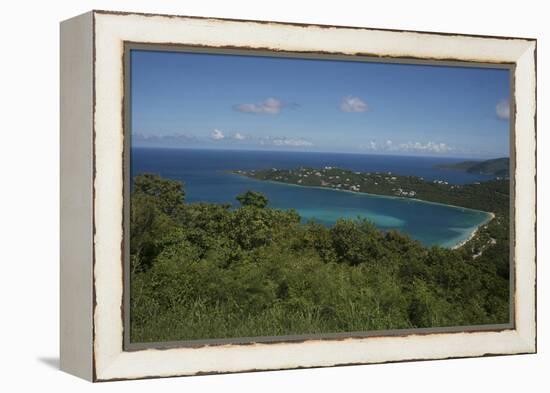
489 157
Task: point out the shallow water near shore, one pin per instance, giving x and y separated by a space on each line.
206 178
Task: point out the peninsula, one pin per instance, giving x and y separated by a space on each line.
491 196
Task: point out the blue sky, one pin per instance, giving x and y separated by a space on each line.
249 102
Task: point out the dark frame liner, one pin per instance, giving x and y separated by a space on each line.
128 345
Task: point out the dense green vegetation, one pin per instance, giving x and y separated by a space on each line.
497 167
203 271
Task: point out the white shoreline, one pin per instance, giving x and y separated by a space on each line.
473 233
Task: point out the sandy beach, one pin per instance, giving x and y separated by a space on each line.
474 232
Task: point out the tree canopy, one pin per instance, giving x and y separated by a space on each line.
253 198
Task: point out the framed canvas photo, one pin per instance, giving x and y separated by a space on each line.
247 195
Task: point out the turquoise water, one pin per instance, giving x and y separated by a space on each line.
206 179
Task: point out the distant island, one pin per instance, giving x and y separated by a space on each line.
499 167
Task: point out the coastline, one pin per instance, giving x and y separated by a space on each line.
473 233
369 194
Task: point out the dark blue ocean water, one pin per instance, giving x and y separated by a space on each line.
204 173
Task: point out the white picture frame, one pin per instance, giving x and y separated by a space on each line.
92 194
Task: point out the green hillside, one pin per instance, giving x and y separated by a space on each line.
202 270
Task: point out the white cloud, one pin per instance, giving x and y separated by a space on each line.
353 104
270 106
220 138
431 147
156 137
414 147
139 139
503 109
283 141
292 142
217 135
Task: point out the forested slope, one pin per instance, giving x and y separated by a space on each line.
203 271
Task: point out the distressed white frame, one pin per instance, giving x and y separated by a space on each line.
110 31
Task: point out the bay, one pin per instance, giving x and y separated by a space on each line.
206 178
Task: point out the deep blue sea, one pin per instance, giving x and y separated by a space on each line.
204 173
